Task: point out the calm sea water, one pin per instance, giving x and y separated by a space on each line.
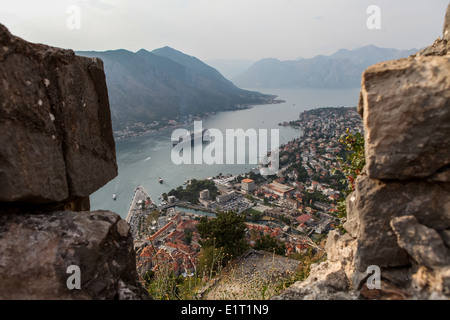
142 160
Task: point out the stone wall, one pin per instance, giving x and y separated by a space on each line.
398 217
57 148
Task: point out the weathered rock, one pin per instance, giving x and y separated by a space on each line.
438 48
36 250
423 244
246 277
387 291
341 249
327 281
445 235
405 105
376 203
431 284
56 140
446 30
351 224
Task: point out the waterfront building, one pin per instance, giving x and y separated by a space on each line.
205 194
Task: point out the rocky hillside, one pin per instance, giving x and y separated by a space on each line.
398 217
254 275
57 148
166 83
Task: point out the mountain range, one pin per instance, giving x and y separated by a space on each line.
342 69
165 83
145 86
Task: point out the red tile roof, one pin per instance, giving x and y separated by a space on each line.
303 218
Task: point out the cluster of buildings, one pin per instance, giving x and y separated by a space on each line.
140 128
173 247
303 196
292 242
228 199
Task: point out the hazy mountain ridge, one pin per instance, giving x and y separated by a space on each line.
165 83
342 69
230 68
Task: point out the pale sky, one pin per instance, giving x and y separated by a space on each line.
226 29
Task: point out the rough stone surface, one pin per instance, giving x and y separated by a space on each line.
423 244
376 203
56 142
405 106
37 248
440 47
56 148
446 29
329 280
245 278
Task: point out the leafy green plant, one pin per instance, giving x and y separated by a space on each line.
226 231
351 166
355 159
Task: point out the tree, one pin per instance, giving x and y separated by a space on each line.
226 231
267 243
256 215
188 237
351 166
355 159
192 191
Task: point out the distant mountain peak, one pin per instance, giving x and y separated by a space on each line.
169 50
143 51
342 69
165 83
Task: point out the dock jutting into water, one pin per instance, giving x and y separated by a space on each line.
139 194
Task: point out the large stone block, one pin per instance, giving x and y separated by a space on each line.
446 29
376 203
405 105
37 249
56 140
423 244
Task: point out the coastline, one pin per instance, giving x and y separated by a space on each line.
143 129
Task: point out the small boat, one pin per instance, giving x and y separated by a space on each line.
160 180
114 197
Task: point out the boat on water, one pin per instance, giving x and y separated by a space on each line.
192 136
114 197
160 180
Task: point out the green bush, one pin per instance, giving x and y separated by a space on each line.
351 166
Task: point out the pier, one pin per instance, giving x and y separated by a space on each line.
139 194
